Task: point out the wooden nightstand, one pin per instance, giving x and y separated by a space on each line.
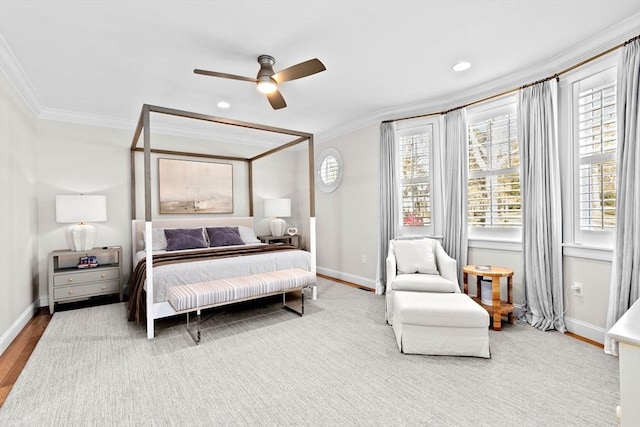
286 239
69 283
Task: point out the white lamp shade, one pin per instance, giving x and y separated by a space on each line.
277 207
80 209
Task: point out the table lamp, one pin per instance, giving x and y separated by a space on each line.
277 208
81 209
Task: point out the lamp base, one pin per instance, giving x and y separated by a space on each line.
277 226
81 237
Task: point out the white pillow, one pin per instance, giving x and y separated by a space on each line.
159 239
248 235
415 256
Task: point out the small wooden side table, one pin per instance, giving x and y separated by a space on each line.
498 307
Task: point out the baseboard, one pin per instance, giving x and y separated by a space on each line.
7 338
367 283
585 330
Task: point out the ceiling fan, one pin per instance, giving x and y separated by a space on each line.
267 80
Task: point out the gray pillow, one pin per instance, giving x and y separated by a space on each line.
248 235
184 238
224 236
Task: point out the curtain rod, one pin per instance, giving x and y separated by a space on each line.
507 92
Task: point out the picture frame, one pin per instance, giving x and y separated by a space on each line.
193 187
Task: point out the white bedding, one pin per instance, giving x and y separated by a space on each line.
165 276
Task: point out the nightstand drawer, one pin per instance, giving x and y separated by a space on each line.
84 290
86 276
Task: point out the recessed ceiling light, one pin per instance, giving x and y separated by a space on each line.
461 66
223 104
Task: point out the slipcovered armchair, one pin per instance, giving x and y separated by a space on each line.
418 265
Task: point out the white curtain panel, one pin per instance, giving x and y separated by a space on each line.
454 231
389 199
541 208
625 269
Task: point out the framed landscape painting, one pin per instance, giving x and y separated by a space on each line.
195 187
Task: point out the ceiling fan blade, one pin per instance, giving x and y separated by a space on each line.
225 75
300 70
276 100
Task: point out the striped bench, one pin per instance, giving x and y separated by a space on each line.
216 293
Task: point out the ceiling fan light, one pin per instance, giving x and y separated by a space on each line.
267 86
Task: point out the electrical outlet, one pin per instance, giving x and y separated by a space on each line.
364 259
577 289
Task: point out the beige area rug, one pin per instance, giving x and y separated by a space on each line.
260 365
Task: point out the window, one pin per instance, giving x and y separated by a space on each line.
493 193
415 144
329 170
588 143
595 120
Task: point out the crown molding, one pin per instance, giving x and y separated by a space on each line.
598 43
130 125
14 72
86 119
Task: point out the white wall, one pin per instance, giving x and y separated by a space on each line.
587 315
347 219
18 213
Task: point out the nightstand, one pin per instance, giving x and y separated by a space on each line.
286 239
69 283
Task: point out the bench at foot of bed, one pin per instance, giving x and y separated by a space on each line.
199 296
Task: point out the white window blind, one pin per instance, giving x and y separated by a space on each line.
415 176
329 170
493 195
597 143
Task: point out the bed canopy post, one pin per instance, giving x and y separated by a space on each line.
134 144
250 173
312 212
147 163
147 218
312 179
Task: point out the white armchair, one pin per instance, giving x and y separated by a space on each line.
418 265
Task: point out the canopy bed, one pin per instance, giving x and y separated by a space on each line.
158 266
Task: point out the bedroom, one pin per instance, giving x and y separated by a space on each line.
51 147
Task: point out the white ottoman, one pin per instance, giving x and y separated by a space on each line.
440 324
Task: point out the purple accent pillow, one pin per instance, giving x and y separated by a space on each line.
184 238
224 236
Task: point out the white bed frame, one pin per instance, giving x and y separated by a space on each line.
164 309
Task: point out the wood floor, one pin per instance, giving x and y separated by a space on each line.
14 358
